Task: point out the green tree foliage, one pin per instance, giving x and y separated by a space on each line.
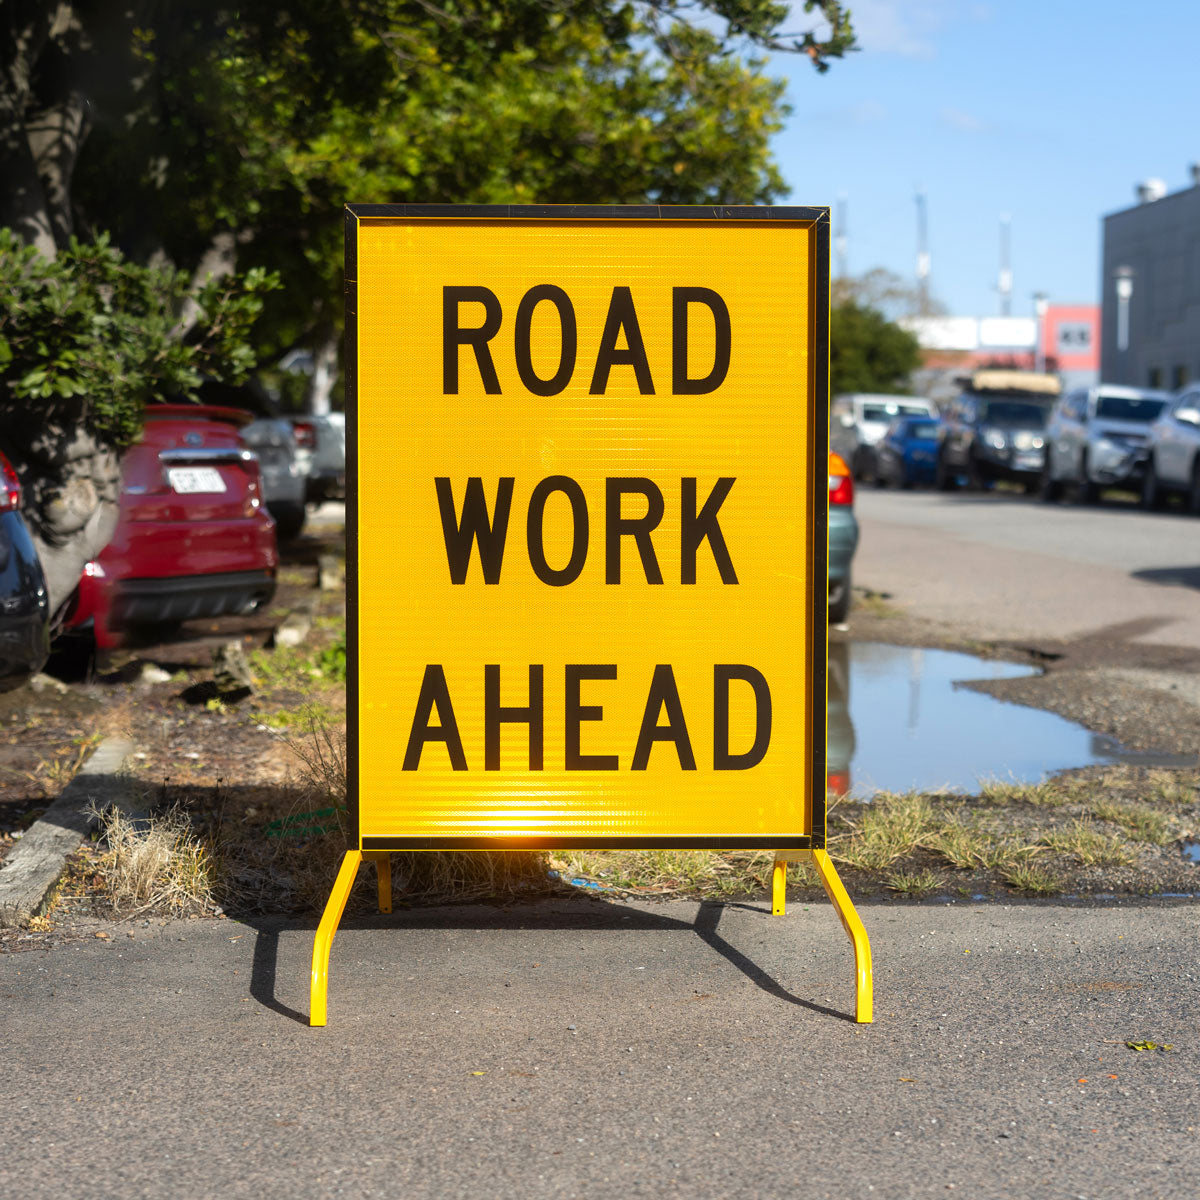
867 352
257 124
88 337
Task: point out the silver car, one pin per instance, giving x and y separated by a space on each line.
1096 438
1173 452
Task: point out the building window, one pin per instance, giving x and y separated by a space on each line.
1179 376
1154 377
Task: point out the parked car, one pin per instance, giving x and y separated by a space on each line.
1173 453
843 537
839 726
860 419
908 452
193 538
1096 437
322 444
271 437
995 429
24 601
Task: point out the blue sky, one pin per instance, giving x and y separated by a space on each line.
1048 112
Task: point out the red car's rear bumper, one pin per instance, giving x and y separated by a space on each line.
177 571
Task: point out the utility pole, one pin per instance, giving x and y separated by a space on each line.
1004 286
922 252
839 237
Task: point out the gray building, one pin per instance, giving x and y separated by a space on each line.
1150 289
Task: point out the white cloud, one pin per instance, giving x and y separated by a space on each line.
906 28
964 122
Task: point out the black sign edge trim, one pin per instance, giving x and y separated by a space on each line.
576 212
350 367
399 845
818 522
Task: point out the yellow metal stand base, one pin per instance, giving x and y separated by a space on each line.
319 987
331 918
864 983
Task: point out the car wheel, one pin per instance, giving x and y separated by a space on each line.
839 601
1193 496
946 479
1086 492
289 520
1049 489
976 476
1152 493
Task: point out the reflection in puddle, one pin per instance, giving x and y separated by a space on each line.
900 719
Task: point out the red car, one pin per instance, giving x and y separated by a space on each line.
193 538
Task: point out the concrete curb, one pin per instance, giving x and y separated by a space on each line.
33 866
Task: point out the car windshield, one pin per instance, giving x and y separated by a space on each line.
1125 408
885 412
923 429
1023 413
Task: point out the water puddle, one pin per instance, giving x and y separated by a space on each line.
899 718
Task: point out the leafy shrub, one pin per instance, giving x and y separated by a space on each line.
88 337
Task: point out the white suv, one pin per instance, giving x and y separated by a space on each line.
1096 437
1173 452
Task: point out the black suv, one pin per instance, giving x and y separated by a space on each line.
995 429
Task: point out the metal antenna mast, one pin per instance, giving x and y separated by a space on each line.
922 252
1004 286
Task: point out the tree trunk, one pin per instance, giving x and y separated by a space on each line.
70 491
320 386
219 260
25 27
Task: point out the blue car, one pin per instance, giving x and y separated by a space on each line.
908 452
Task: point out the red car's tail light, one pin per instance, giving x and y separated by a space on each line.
10 487
305 433
837 784
841 483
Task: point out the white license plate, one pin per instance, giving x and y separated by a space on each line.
1027 461
194 480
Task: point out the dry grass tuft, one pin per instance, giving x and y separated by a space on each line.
158 863
893 825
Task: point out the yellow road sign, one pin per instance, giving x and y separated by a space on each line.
586 534
587 526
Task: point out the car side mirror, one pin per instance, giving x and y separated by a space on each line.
847 421
1188 415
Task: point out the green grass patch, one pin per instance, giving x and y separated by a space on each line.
1141 823
912 883
1032 878
1048 793
1090 846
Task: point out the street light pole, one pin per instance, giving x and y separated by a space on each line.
1040 304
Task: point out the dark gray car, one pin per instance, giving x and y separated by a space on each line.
1096 438
996 430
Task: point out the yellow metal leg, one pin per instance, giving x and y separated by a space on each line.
383 879
864 1008
319 987
779 888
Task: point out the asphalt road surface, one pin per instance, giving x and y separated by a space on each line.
1002 565
580 1049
